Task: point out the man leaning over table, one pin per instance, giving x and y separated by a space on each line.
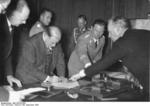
132 47
6 92
41 55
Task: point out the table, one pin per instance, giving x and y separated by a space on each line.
125 93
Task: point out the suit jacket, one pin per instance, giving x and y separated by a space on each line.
4 95
6 45
85 51
31 67
133 50
108 47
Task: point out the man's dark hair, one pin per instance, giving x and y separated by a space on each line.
100 22
45 10
122 20
83 17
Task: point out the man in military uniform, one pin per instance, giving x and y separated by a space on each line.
88 49
42 23
81 28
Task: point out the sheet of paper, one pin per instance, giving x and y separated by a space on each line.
66 85
119 75
8 87
31 90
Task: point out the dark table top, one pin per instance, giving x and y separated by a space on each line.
125 93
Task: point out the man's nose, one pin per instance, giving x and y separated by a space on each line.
53 44
23 22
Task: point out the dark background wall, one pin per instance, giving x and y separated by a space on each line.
66 12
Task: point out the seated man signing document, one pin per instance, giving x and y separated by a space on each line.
41 55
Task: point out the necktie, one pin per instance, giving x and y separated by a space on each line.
12 29
96 43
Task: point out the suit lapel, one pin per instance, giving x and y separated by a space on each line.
8 38
42 45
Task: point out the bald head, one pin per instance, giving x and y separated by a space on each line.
54 37
21 4
120 22
117 26
55 32
20 14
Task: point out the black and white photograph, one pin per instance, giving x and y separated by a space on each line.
74 51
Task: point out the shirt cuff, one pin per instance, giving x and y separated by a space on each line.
47 78
87 65
82 73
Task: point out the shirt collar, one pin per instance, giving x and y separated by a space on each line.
44 37
9 24
82 29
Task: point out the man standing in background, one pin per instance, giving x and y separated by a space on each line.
3 5
17 13
7 93
43 22
81 27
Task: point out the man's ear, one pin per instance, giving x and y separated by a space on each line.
117 30
85 22
41 17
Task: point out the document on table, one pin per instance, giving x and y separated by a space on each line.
66 85
31 90
25 91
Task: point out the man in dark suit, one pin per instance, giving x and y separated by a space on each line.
40 56
15 15
6 47
131 46
3 5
